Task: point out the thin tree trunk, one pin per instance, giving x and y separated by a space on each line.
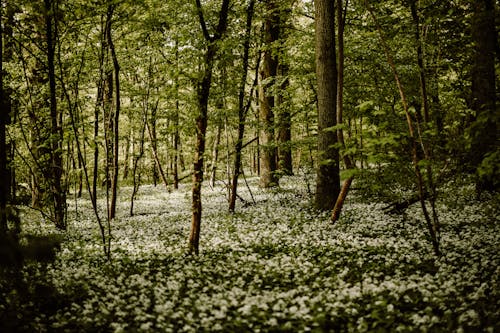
425 106
215 155
156 157
341 18
176 136
136 177
284 117
91 188
154 137
415 158
57 169
126 157
116 138
242 108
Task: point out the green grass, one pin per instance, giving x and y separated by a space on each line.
274 266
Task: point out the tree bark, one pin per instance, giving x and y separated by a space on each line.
57 169
203 93
215 155
268 177
341 18
328 173
152 135
284 135
484 129
242 108
431 228
4 120
116 115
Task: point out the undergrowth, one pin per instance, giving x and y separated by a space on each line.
275 265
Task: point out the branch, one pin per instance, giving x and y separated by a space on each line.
203 24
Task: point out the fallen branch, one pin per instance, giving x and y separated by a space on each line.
400 206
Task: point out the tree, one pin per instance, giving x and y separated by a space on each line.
416 140
56 130
242 106
283 101
203 94
328 172
341 19
268 73
4 120
484 150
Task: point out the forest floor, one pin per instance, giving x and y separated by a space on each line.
274 265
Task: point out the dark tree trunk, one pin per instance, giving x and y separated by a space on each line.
328 173
341 18
116 117
484 130
156 157
242 108
268 154
56 139
284 136
432 227
284 123
215 155
176 136
136 176
202 117
4 120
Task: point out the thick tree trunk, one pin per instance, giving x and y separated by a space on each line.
484 130
328 173
4 119
268 154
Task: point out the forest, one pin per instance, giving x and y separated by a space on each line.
252 165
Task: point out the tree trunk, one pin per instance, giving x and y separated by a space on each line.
155 155
4 120
268 177
242 108
484 130
431 228
116 115
56 173
328 173
215 155
136 177
341 17
284 135
176 136
203 93
154 137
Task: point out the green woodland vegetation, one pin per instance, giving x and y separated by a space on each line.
255 166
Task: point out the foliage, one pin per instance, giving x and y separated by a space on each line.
276 265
